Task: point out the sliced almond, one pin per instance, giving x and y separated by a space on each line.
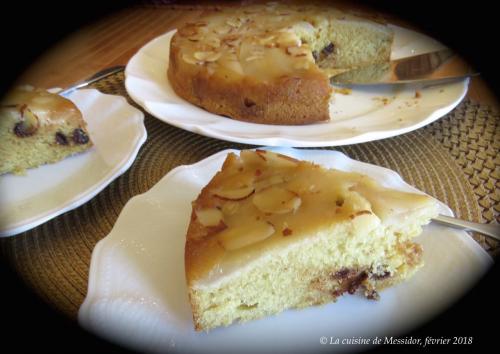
364 223
237 193
207 56
209 217
236 187
254 57
234 22
213 42
233 43
237 237
267 40
268 182
232 40
189 59
252 158
277 160
276 200
289 39
223 29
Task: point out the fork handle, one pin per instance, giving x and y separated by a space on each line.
100 75
492 230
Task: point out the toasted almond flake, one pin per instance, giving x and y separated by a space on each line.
289 39
254 57
233 43
276 200
234 22
213 42
222 29
209 217
266 40
235 193
189 59
207 56
359 213
244 235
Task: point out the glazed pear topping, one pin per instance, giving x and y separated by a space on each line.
264 41
263 196
276 200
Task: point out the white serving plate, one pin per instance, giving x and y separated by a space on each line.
367 113
137 293
117 130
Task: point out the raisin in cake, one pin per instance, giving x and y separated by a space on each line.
38 127
272 63
269 233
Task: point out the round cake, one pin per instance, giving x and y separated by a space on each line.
271 63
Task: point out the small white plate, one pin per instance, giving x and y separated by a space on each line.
117 130
137 294
367 113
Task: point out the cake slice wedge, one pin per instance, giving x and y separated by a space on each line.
38 127
270 233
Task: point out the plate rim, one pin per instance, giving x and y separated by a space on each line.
83 197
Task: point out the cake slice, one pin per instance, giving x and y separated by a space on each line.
269 233
38 127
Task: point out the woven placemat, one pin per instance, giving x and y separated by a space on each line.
455 159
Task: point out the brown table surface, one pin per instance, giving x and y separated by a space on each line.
112 41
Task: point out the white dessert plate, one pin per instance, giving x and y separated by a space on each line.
367 113
137 294
117 130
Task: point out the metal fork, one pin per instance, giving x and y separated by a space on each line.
491 230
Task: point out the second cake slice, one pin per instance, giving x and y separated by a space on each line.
270 233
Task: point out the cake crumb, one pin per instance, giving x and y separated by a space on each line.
343 91
385 100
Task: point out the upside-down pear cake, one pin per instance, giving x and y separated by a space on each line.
272 63
270 232
38 127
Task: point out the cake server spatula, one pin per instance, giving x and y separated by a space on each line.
434 67
97 76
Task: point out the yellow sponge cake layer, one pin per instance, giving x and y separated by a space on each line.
270 233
